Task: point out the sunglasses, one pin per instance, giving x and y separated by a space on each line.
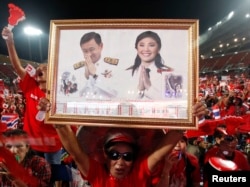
229 138
115 155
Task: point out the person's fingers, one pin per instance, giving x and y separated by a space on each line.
200 108
44 104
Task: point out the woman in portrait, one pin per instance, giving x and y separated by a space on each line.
149 70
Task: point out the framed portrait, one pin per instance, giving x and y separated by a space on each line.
138 73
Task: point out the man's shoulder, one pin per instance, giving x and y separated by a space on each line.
111 60
107 61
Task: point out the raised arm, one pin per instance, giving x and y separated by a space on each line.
71 144
168 142
14 59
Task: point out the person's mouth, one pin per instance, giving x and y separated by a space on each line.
177 149
146 54
119 171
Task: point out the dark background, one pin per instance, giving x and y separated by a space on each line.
40 12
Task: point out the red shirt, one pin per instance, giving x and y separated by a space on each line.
44 137
139 177
179 171
236 111
186 172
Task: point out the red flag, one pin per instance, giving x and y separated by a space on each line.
15 169
16 15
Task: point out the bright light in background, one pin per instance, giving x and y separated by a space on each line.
31 31
230 15
219 23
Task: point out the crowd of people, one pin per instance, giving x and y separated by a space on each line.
176 160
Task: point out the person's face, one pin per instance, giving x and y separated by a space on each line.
119 166
18 148
218 140
203 144
41 73
147 49
181 146
92 50
227 148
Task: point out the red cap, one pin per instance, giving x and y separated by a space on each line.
199 139
122 137
222 130
222 164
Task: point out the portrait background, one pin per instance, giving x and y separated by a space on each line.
121 44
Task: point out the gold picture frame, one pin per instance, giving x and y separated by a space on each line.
116 101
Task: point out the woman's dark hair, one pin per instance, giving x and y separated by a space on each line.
149 34
158 58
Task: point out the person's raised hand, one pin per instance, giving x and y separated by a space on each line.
90 68
7 34
44 104
199 109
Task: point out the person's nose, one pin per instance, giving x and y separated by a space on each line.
145 48
121 161
178 143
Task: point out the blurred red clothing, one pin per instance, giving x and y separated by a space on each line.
44 136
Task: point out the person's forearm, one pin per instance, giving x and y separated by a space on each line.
165 146
71 144
14 59
67 137
168 142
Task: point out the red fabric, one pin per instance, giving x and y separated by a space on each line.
44 136
16 169
120 137
3 127
178 171
16 14
223 110
207 127
233 111
245 128
99 177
